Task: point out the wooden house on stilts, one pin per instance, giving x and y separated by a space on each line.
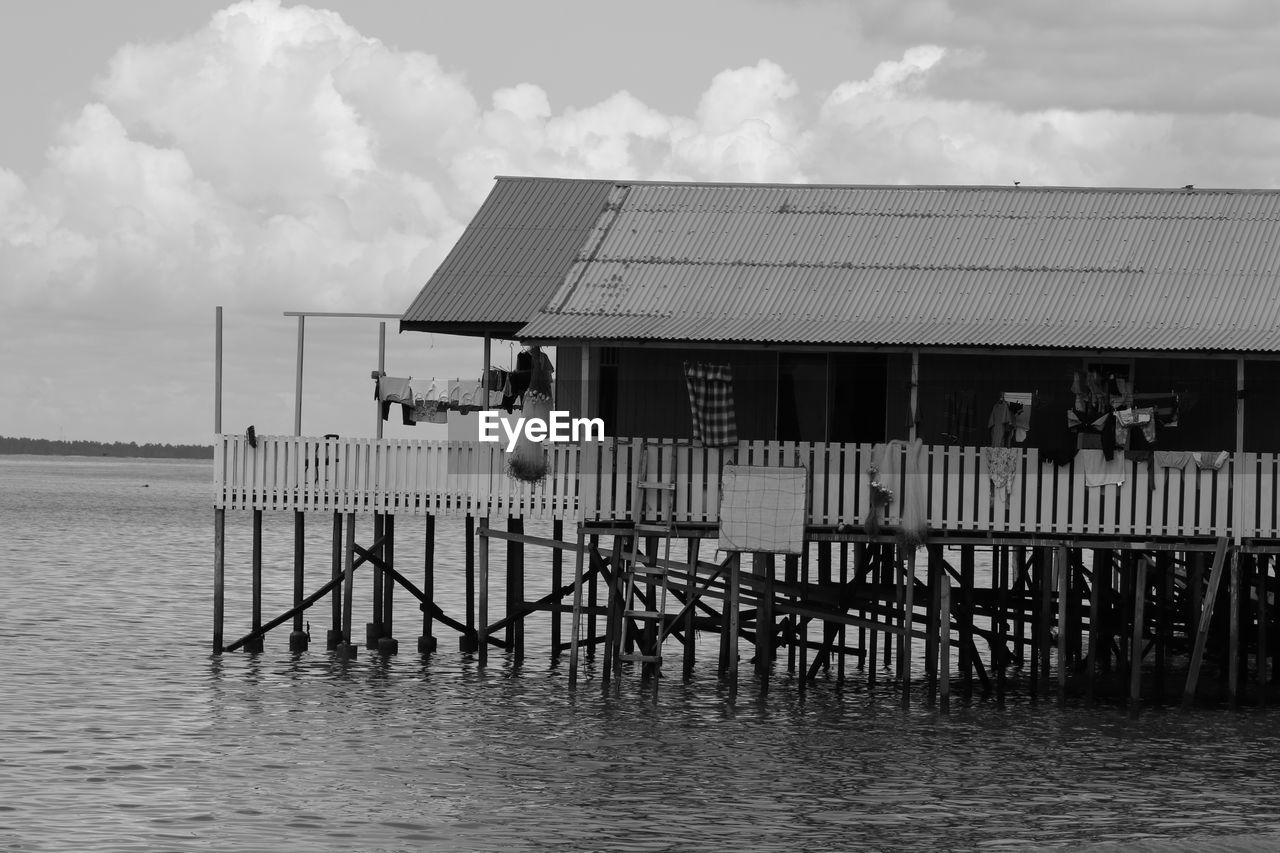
1034 427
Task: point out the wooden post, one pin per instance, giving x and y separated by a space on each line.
688 615
575 623
255 644
515 591
298 638
1261 563
593 600
1101 563
335 638
1044 562
1205 615
932 614
966 621
557 581
347 649
427 640
1233 641
732 604
1000 652
1025 572
387 643
1064 595
908 623
614 606
1135 654
802 623
844 594
944 644
467 642
791 574
1164 613
219 574
482 590
762 568
373 629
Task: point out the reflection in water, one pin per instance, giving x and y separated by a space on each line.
123 732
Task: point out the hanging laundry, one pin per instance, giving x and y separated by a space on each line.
710 388
1214 461
1002 467
528 460
1172 458
518 381
1124 420
394 390
1099 471
999 423
1019 416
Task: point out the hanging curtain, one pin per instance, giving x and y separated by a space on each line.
711 404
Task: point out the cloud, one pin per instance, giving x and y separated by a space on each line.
278 159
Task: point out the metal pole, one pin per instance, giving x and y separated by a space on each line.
382 368
297 388
219 515
217 371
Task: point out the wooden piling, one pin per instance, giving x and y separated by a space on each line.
427 640
1135 652
908 623
1204 617
791 574
219 575
515 590
688 618
944 644
1233 640
844 596
255 645
966 623
557 582
334 637
467 642
346 648
298 638
932 610
575 622
1044 565
1262 563
1101 563
387 643
593 603
762 568
482 590
373 629
1064 595
732 606
1000 617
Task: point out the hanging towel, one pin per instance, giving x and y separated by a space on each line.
999 423
710 389
1211 460
1002 466
1099 470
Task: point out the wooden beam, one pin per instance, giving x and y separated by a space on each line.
1206 614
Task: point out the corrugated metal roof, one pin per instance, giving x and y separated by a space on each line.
511 257
986 266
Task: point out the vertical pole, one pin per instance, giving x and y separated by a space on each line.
791 573
255 645
557 581
298 638
373 629
1101 562
732 603
335 637
219 515
690 587
933 610
219 562
762 568
1233 641
1237 462
844 599
1000 653
467 643
908 623
966 618
297 384
1262 563
593 598
915 394
482 589
427 640
802 623
575 623
1064 594
387 643
515 591
944 646
347 649
382 368
1135 654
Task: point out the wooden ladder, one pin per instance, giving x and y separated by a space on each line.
641 569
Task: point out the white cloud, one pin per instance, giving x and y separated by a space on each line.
278 159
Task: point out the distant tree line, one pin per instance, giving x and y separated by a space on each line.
49 447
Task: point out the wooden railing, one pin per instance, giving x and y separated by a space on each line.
596 481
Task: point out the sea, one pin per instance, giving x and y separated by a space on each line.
122 732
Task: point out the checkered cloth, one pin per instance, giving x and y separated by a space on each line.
711 404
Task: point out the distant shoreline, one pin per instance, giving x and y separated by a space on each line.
118 449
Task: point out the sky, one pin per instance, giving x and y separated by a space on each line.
161 159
